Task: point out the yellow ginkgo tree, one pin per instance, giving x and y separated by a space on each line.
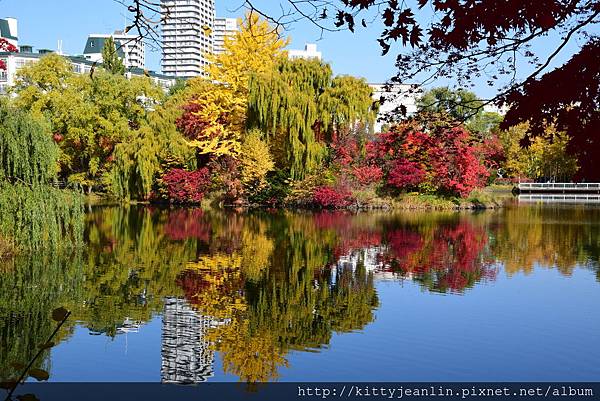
215 106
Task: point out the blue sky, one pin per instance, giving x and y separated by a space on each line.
43 22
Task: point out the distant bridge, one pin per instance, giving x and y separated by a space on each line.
558 187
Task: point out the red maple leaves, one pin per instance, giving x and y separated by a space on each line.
332 198
442 158
6 46
186 186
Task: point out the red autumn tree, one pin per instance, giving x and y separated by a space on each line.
442 158
349 157
186 186
406 174
332 198
491 152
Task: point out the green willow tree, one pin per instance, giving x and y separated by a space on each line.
110 58
299 105
27 153
151 150
33 215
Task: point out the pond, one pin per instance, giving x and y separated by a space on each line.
188 296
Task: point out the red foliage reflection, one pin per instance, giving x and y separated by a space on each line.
187 224
448 257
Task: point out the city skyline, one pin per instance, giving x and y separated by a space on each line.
85 20
362 59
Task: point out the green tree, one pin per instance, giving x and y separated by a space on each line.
27 153
484 123
179 86
152 149
460 105
32 215
88 116
110 57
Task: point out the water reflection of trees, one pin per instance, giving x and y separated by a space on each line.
560 237
450 255
31 286
270 279
276 282
127 268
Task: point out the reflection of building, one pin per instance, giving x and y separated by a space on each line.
186 356
370 257
129 48
129 326
186 36
309 52
224 27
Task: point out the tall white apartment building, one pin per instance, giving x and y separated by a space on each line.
8 31
223 28
130 48
186 36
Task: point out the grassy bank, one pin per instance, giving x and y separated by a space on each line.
487 198
480 199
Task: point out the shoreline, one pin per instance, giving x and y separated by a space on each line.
489 198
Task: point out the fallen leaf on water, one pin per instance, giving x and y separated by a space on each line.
39 374
27 397
49 344
59 314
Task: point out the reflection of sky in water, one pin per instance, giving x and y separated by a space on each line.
542 326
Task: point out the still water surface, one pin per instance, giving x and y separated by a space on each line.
188 296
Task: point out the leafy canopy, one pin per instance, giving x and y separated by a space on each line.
88 116
27 152
462 106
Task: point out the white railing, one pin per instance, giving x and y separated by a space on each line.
559 186
562 198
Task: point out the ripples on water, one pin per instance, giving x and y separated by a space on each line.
185 296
